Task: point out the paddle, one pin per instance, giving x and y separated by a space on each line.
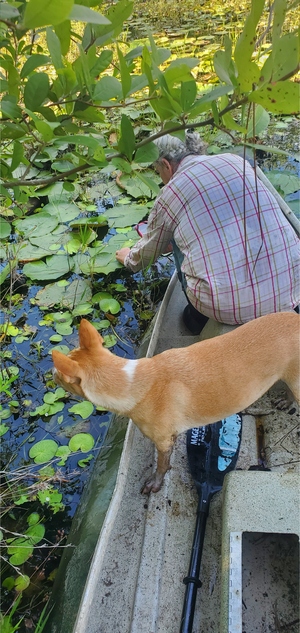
212 453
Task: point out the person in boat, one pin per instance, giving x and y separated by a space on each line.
236 253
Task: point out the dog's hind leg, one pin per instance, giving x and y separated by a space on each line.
154 483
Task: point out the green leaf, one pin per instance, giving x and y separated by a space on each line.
22 582
223 63
83 463
45 12
122 164
55 266
84 14
259 123
179 72
63 32
188 94
9 107
36 91
109 340
5 229
83 442
43 451
8 12
126 143
49 397
107 88
82 309
279 8
280 98
36 225
248 71
125 74
90 115
214 94
63 451
3 427
149 185
53 44
285 181
84 409
147 154
121 216
79 139
284 59
20 552
110 305
101 63
33 62
35 532
117 14
33 518
18 155
8 583
78 291
64 329
63 211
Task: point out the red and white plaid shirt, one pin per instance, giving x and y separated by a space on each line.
241 259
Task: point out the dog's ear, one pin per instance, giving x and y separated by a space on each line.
89 337
66 366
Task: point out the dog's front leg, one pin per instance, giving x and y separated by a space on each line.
154 483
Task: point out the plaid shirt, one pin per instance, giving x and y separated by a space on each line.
241 259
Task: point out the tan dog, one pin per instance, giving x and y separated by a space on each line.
186 387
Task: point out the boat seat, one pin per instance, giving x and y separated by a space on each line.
260 551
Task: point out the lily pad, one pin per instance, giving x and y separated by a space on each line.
37 224
22 582
43 451
53 268
35 533
20 552
138 187
64 329
30 253
109 341
69 296
82 309
97 262
83 463
53 241
83 442
84 409
58 195
63 452
64 211
122 215
109 304
4 428
33 518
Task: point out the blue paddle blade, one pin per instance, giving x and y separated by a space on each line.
213 450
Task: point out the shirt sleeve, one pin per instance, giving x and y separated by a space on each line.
155 241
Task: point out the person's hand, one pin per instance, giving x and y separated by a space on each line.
121 254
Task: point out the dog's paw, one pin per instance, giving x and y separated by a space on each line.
153 484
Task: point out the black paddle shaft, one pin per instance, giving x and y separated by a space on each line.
212 452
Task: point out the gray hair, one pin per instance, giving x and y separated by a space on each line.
174 149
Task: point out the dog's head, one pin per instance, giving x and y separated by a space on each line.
71 371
